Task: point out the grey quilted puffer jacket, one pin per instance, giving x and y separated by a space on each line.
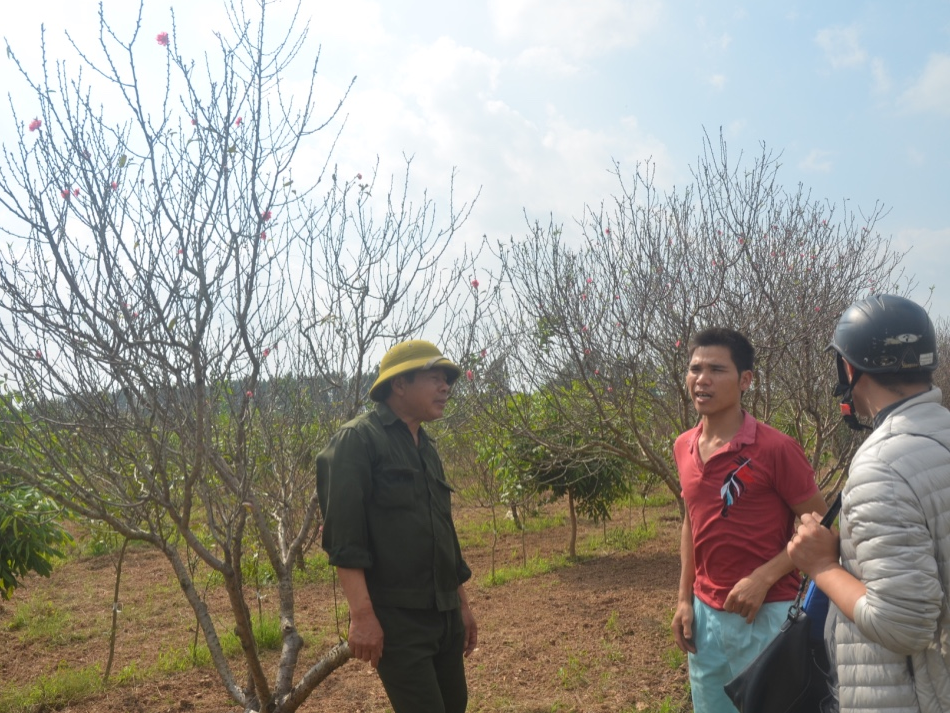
895 537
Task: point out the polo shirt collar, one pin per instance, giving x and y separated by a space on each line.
744 437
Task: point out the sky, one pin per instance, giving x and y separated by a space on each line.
532 102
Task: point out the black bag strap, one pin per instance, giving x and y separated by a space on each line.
826 521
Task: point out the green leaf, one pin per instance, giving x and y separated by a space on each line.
123 159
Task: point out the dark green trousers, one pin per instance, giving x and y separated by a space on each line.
422 665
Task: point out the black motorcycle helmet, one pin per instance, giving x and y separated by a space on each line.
882 334
886 334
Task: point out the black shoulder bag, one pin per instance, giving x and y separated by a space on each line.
793 673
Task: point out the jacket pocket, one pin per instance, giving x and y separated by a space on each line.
442 495
394 487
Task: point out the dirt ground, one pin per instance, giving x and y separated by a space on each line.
590 637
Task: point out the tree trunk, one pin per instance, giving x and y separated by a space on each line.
572 550
116 607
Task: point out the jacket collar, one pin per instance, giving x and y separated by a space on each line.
934 395
389 418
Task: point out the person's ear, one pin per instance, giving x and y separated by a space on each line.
398 385
745 380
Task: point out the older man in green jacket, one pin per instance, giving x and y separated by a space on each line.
388 530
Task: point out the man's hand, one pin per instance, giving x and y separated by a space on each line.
366 637
683 627
747 596
814 548
471 630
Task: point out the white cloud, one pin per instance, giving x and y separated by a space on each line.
817 161
925 248
736 128
577 29
354 23
882 80
931 91
718 81
842 47
548 60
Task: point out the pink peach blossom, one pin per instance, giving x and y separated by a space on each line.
469 375
162 39
35 124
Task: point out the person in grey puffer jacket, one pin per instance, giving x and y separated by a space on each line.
888 627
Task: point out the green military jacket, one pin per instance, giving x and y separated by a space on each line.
387 510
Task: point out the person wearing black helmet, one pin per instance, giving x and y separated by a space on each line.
888 573
388 530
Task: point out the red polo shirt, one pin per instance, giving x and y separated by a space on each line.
740 506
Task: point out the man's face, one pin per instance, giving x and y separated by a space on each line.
713 381
424 398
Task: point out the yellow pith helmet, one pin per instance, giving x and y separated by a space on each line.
410 356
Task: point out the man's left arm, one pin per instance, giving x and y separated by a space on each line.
747 596
468 619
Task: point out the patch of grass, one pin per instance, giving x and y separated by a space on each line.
41 621
674 658
258 571
535 566
176 660
612 625
612 652
61 688
267 633
574 674
316 569
475 533
128 675
667 705
620 538
658 498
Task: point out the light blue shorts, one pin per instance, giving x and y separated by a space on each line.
725 645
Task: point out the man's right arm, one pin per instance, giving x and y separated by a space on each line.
366 635
683 618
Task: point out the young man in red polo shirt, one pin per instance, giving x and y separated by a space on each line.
743 483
